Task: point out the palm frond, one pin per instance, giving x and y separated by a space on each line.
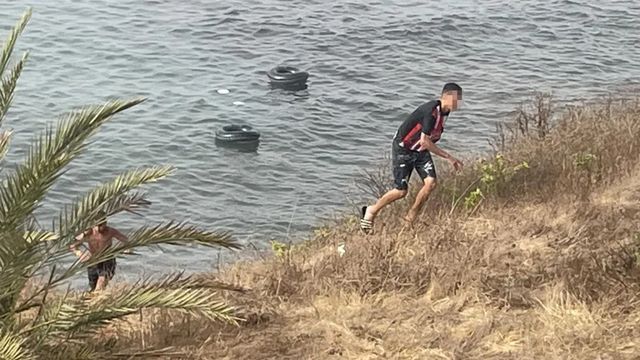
170 233
207 281
164 234
83 318
35 236
108 197
161 353
72 351
5 141
8 86
31 321
173 233
98 351
19 251
13 347
40 329
51 152
58 249
16 252
18 260
10 43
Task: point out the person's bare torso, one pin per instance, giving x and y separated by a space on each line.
99 241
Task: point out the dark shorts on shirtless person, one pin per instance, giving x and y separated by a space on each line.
405 161
106 268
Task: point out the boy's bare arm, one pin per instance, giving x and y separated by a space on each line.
74 245
426 144
120 236
79 240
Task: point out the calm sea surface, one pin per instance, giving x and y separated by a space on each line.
371 63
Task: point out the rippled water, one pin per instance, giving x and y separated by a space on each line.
371 62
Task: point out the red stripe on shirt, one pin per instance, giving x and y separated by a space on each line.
411 133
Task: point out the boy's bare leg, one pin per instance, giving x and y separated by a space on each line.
421 198
370 212
102 282
386 199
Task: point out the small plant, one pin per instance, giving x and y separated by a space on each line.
522 166
279 248
473 199
322 232
584 161
495 175
492 170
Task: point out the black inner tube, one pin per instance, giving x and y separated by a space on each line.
236 133
286 75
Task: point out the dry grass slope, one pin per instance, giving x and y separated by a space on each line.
543 265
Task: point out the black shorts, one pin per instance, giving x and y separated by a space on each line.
106 268
404 162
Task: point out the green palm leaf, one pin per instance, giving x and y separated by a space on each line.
17 261
173 233
23 190
8 86
164 234
83 318
35 322
5 140
13 347
110 198
10 43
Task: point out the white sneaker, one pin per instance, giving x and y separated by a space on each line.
365 225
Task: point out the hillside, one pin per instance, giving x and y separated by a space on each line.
533 256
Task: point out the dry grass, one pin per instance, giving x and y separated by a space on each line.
546 267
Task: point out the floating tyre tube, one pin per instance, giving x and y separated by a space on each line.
237 135
288 77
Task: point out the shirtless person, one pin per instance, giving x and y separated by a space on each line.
99 238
